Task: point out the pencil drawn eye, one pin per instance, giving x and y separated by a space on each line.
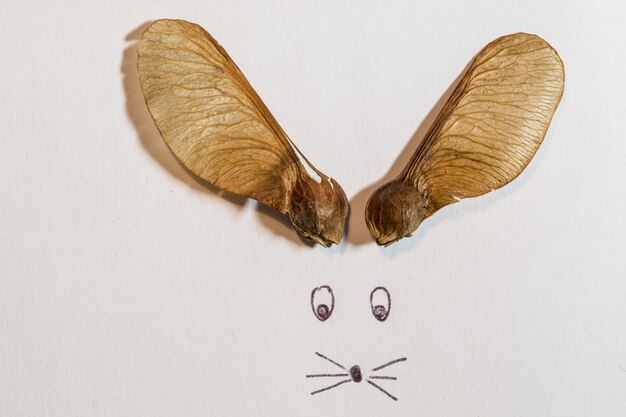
322 302
380 303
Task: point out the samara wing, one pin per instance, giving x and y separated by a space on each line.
218 127
484 137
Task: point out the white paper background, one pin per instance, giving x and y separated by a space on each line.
128 289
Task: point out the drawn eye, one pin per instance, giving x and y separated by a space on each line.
321 298
380 303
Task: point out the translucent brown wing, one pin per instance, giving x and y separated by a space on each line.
210 116
484 137
494 122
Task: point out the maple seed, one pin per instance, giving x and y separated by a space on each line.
483 138
318 210
394 211
218 127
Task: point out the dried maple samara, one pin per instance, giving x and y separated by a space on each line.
485 135
219 129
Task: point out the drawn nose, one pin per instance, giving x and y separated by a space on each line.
355 373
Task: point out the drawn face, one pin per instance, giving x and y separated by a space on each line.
380 305
277 345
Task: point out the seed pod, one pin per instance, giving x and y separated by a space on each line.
484 137
217 126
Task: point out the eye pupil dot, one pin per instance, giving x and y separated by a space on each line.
323 311
380 312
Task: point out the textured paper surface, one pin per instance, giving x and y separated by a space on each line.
128 289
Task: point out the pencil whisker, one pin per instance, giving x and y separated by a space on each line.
378 368
331 386
381 389
325 375
330 360
392 378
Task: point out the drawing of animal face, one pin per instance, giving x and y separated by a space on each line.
278 345
380 309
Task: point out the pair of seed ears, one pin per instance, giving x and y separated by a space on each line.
217 126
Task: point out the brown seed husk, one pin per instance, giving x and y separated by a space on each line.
218 127
486 134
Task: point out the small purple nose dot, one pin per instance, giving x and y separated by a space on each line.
323 311
355 374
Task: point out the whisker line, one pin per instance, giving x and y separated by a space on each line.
382 390
331 386
330 360
393 378
324 375
378 368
